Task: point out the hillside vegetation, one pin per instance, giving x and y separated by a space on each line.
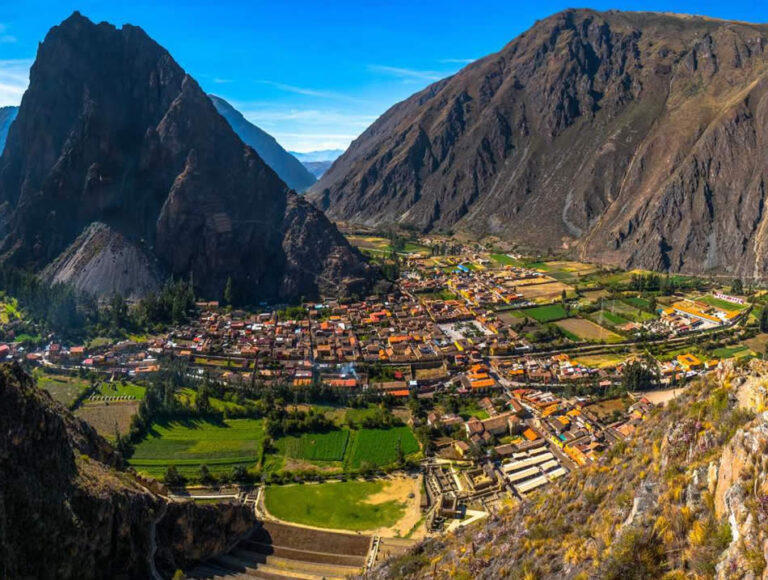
687 497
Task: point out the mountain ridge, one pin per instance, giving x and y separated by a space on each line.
287 167
598 127
7 115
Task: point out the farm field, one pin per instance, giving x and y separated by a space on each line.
588 330
736 351
378 447
191 443
544 314
545 292
600 361
330 446
608 317
505 260
109 418
347 505
189 396
605 409
63 388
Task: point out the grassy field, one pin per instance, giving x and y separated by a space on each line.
64 388
330 446
588 330
604 316
548 313
505 260
118 389
189 396
736 351
378 447
343 505
722 304
109 418
637 302
189 444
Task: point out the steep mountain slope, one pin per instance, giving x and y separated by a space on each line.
318 162
69 510
287 167
686 498
317 168
112 131
7 115
629 138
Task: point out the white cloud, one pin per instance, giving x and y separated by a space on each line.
408 74
319 93
14 78
219 81
5 38
457 60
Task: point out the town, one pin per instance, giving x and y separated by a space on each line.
481 377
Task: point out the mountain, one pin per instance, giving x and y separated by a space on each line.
627 138
318 162
70 509
317 168
321 155
287 167
7 115
685 497
119 172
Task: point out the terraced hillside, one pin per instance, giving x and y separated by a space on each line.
283 551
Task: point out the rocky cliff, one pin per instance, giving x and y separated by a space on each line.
687 497
628 138
112 134
69 510
287 167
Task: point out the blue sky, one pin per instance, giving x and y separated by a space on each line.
313 74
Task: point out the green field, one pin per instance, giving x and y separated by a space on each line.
736 351
722 304
341 505
117 389
505 260
189 444
610 317
330 446
378 447
637 302
548 313
189 396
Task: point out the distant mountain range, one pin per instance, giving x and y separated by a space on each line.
7 115
115 190
318 162
287 166
629 138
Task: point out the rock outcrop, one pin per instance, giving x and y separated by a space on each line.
287 167
112 131
68 509
627 138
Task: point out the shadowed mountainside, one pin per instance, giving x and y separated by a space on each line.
112 134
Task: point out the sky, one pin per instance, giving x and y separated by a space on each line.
313 74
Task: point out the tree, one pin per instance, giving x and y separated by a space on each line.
239 473
228 291
764 319
737 287
173 477
399 454
638 376
205 474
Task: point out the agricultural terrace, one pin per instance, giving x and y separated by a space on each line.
189 444
348 505
63 388
378 447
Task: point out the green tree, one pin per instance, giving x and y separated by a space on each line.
173 477
764 319
737 286
228 292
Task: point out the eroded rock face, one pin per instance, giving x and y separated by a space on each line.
112 131
629 138
69 510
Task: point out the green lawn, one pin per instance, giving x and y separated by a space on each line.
548 313
117 389
505 260
722 304
378 447
191 443
330 446
738 350
637 302
607 315
341 505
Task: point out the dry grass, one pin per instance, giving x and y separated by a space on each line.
588 330
107 417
